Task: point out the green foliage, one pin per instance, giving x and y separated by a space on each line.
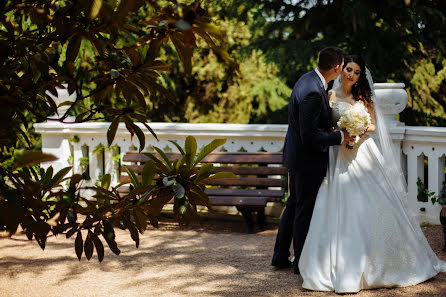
99 149
401 41
213 93
424 195
180 180
110 57
102 52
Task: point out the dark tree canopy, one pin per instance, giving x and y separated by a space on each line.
110 56
401 41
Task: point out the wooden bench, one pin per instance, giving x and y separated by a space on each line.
261 179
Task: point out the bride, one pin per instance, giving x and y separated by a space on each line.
362 235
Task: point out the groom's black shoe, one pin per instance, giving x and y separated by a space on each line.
281 263
296 270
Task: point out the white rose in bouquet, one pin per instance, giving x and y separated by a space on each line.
354 119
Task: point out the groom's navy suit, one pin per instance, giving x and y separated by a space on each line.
305 154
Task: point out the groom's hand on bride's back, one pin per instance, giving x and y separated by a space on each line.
347 137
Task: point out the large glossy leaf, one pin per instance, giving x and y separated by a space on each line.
209 148
190 148
71 231
123 9
199 198
223 174
79 245
30 158
141 219
184 51
164 156
109 235
96 6
59 176
41 230
148 172
88 246
205 169
46 176
99 246
132 229
140 135
73 49
159 164
143 120
180 149
111 132
132 176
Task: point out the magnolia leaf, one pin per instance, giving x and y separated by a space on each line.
141 219
190 147
180 149
59 176
111 132
148 172
140 135
143 120
109 236
30 158
133 231
79 245
99 246
123 9
133 176
205 169
96 6
222 174
72 50
207 149
184 51
88 246
164 156
71 231
161 166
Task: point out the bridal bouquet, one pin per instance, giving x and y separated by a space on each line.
355 120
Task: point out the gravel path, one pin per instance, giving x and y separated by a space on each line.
214 258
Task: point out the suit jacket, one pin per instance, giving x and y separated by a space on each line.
309 127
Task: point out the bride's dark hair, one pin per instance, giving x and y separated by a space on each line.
361 89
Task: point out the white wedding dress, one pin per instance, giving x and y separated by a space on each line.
361 236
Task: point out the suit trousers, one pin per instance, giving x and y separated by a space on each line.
296 217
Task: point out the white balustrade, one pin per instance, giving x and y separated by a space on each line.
412 143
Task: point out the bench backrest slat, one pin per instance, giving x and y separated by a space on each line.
248 182
239 170
244 192
228 158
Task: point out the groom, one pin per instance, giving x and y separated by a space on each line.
305 152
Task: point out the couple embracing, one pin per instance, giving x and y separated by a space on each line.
346 213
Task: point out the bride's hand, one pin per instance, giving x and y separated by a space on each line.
347 137
365 132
